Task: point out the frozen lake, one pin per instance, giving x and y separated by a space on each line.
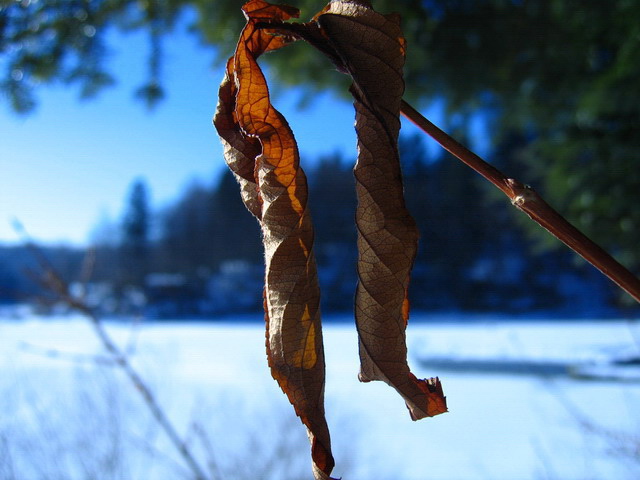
67 414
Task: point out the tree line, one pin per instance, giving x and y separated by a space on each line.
563 105
562 79
203 254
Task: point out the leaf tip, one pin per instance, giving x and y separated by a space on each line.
436 401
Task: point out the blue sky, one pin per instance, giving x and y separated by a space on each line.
70 164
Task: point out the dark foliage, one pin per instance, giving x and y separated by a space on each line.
558 84
208 255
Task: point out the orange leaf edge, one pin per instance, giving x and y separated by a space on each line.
432 388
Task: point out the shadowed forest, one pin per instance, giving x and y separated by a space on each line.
202 255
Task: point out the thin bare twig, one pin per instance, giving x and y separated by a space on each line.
121 359
60 288
207 444
526 199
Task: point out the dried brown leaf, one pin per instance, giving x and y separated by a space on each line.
371 48
240 151
261 151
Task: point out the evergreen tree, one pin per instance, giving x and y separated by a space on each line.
185 244
332 201
135 244
208 226
233 232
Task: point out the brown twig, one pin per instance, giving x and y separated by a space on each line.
526 199
145 392
60 288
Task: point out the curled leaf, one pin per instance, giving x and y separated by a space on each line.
261 151
371 48
240 151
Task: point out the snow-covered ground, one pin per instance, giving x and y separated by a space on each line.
65 414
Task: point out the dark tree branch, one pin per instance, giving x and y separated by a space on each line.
526 199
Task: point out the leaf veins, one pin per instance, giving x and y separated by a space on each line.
262 153
372 49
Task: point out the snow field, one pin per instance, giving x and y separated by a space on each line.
82 418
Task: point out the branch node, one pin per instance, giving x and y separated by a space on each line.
522 194
526 199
